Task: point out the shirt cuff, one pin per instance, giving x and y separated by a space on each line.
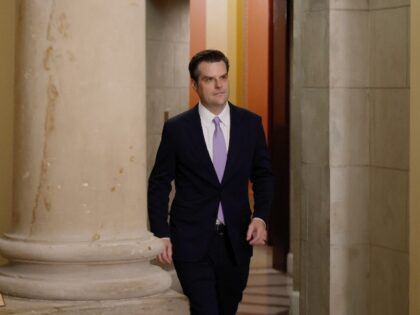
259 219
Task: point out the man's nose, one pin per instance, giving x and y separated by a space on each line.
218 83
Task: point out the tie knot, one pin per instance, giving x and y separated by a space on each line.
217 121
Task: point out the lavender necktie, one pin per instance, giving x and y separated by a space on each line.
219 158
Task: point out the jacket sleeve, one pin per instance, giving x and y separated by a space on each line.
159 187
262 177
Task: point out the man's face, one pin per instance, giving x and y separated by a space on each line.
213 84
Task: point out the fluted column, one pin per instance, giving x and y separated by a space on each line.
79 226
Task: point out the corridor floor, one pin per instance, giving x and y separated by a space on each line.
267 293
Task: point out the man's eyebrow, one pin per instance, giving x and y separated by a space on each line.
211 77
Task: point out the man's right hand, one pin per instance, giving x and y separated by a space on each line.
166 256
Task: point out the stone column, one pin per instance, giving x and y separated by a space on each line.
351 85
79 228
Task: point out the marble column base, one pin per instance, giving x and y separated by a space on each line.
169 302
82 271
83 282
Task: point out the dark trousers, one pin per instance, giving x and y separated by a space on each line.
214 285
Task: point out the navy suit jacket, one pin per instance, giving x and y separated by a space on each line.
183 156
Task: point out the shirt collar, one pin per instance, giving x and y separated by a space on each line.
207 116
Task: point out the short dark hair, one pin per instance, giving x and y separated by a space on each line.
209 55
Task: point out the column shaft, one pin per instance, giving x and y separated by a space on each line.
79 217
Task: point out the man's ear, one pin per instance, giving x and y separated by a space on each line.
194 85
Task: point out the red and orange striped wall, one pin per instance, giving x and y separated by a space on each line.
239 28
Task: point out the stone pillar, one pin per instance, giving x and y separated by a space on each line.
351 85
79 229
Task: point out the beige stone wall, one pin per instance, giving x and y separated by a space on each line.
389 101
7 54
351 86
167 41
349 157
312 71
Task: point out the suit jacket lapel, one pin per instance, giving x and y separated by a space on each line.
234 141
197 140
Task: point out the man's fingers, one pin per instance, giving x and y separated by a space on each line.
250 232
259 236
257 233
254 237
169 254
163 258
166 255
256 241
160 259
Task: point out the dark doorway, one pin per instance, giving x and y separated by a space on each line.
278 138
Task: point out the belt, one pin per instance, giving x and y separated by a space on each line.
220 229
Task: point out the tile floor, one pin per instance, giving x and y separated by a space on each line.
267 293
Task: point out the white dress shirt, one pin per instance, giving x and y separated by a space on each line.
208 126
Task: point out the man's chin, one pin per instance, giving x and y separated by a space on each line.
217 102
221 101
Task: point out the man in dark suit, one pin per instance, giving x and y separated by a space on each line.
211 151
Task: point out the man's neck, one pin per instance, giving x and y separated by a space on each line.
215 109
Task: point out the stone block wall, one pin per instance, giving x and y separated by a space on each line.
351 87
167 41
